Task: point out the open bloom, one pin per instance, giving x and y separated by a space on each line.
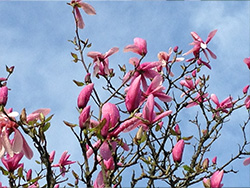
177 151
86 7
216 179
3 95
188 82
84 96
199 44
12 163
139 47
63 162
226 103
36 114
247 61
101 62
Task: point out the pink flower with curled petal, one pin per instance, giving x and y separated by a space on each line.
247 102
197 100
101 62
226 103
139 47
63 162
247 61
216 179
133 96
34 116
88 9
177 151
12 163
3 95
84 96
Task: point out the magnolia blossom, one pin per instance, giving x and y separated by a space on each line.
63 162
226 103
188 82
84 117
197 100
216 179
3 95
83 97
12 163
88 9
247 61
34 116
101 62
214 160
245 89
139 47
199 44
177 151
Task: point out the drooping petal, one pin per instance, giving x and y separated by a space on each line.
211 35
211 53
80 22
17 145
214 98
148 110
162 115
6 143
99 182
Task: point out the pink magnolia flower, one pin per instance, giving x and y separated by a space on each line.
245 89
34 116
247 61
188 82
88 9
197 100
226 103
52 156
199 44
177 151
146 70
63 162
216 179
133 96
139 47
84 117
246 161
101 62
3 95
12 163
247 102
164 59
84 96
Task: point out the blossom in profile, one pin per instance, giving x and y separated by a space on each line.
199 44
199 99
101 61
34 116
63 162
247 102
12 163
216 178
3 95
177 151
139 47
247 61
88 9
188 83
222 106
83 97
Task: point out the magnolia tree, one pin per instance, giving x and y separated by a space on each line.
137 127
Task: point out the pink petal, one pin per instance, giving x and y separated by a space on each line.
17 145
6 143
246 161
247 61
211 53
211 35
196 36
26 149
79 19
111 52
94 54
214 98
36 114
148 110
99 182
87 8
162 115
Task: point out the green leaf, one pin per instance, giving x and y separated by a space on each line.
69 124
69 184
49 118
46 127
78 83
20 172
89 45
74 55
187 138
5 172
188 169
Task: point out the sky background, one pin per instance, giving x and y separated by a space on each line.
34 38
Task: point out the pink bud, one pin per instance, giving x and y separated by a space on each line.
247 102
214 160
178 151
87 78
51 156
57 186
84 117
177 129
84 96
245 89
29 175
194 73
206 183
3 95
176 49
247 61
216 179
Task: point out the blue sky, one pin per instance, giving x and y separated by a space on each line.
34 34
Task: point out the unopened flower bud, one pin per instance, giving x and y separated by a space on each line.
87 78
84 117
206 183
29 175
139 133
177 129
3 95
214 160
245 89
204 132
51 156
178 151
205 163
176 49
84 95
194 73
